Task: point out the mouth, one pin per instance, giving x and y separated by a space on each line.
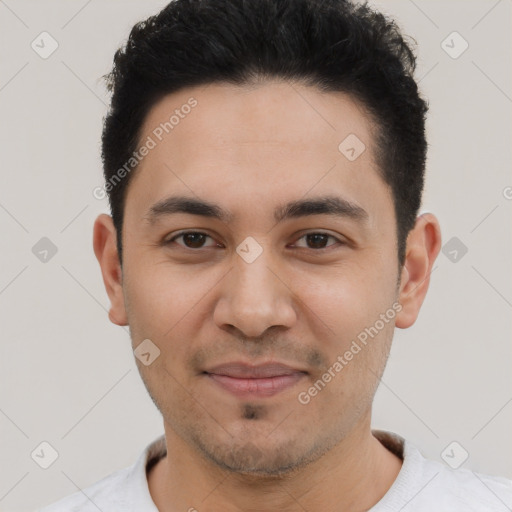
251 381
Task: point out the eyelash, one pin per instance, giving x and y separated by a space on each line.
183 233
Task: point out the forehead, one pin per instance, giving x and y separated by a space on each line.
246 144
277 112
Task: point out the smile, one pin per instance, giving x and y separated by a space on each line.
244 380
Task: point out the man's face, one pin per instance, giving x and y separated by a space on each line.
242 339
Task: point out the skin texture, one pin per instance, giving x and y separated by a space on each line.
250 150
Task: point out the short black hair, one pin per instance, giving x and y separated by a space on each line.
333 45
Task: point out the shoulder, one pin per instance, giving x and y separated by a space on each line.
124 490
103 495
470 490
424 485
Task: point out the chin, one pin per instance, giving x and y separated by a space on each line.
247 459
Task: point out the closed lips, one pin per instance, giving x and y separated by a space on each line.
244 371
262 381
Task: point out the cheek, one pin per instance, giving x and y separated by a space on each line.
343 299
169 305
344 308
160 294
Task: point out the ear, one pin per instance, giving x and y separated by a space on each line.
423 246
105 248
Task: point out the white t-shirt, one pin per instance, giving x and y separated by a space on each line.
421 486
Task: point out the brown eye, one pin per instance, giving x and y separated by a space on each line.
191 239
318 241
194 240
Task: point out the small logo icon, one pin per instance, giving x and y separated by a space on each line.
44 45
44 250
454 455
249 249
352 147
44 455
146 352
454 45
454 249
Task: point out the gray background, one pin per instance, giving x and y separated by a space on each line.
68 375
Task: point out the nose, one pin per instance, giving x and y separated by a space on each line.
255 297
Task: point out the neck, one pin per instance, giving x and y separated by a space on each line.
351 477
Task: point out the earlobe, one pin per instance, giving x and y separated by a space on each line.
423 246
105 248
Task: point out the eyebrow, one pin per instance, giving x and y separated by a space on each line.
324 205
